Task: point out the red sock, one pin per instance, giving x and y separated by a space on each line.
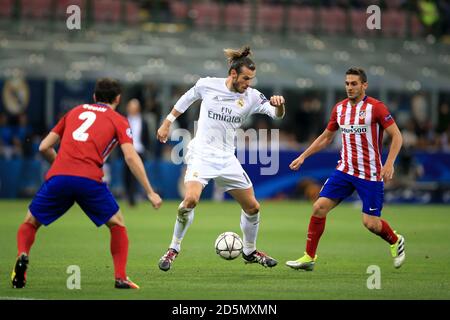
25 237
387 233
315 230
119 250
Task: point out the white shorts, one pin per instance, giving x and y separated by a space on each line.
227 174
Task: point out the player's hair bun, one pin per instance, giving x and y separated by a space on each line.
233 54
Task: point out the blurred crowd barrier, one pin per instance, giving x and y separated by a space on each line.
421 177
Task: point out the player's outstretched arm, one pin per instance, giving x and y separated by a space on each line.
136 166
46 146
387 172
321 142
163 132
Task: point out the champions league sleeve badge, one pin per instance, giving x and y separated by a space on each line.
129 133
263 99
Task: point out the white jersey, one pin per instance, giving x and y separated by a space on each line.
222 112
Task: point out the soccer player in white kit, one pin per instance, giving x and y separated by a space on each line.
226 103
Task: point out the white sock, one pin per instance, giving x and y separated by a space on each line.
249 227
184 220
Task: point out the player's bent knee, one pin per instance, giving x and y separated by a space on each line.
190 201
113 223
253 208
371 226
116 220
32 220
319 209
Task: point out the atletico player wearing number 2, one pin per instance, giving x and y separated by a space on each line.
87 135
361 120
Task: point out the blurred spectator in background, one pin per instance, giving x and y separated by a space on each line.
26 142
158 10
307 118
141 142
152 114
444 9
444 140
443 117
409 135
22 139
419 108
408 170
6 137
443 127
429 16
421 117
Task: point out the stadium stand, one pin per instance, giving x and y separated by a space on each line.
301 49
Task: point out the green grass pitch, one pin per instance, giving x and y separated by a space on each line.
345 252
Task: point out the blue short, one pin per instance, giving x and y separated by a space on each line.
341 185
59 193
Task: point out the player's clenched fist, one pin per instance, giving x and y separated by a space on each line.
277 101
295 165
163 133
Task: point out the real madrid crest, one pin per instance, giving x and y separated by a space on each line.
16 95
240 102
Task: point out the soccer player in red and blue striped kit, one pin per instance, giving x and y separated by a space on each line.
361 120
87 135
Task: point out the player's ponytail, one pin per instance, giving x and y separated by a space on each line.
239 58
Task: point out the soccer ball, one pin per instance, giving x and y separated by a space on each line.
228 245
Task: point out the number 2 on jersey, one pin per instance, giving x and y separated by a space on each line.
80 134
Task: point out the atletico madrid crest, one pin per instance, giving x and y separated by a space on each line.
362 115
